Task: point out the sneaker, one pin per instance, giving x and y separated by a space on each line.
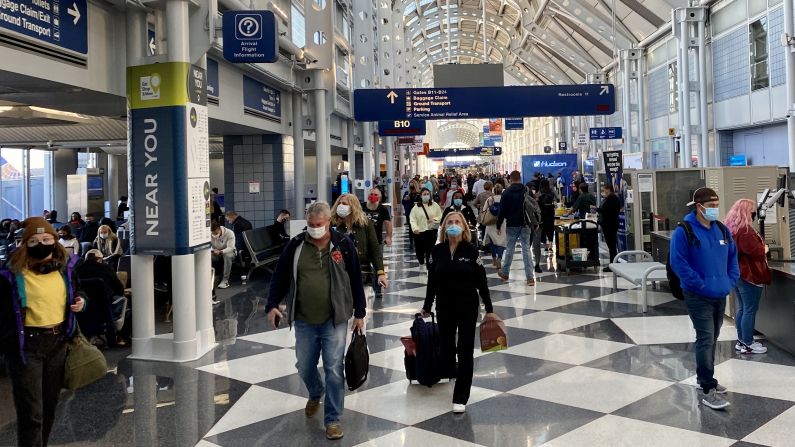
538 269
502 277
334 431
223 285
459 408
755 348
606 269
311 407
531 282
720 389
714 400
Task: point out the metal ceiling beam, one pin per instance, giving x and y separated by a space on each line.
619 23
600 24
575 42
644 12
563 49
564 19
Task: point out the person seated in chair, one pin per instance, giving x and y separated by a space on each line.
223 251
95 268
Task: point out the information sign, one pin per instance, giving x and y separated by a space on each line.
605 133
261 99
250 37
62 24
464 152
401 127
213 89
514 124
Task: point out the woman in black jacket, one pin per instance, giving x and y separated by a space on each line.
458 205
456 278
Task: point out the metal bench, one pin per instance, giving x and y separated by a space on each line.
264 247
639 272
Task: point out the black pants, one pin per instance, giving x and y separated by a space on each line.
611 239
423 245
463 320
37 386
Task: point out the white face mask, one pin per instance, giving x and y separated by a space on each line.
103 235
316 233
343 210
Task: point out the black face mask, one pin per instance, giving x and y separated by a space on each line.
40 251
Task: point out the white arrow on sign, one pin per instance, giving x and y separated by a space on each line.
605 90
152 46
74 12
391 96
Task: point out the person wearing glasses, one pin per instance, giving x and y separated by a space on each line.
39 296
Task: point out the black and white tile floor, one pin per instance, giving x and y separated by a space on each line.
585 367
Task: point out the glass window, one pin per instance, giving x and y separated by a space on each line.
758 41
673 97
40 182
297 26
12 184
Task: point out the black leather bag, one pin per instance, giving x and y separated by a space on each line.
357 361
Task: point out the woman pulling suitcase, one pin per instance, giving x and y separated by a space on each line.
457 282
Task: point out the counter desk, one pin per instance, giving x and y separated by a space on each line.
776 316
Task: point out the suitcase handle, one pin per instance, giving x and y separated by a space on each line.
433 316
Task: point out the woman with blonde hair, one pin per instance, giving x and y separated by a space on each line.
108 243
457 282
754 273
349 219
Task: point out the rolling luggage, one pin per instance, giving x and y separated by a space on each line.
428 358
409 357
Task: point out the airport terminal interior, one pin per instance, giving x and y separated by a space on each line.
168 156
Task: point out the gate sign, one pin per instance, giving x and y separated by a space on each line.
605 133
62 24
250 37
464 152
261 100
393 128
514 124
484 102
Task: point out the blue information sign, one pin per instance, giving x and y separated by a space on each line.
403 128
738 160
605 133
250 37
212 79
514 124
63 24
464 152
261 99
483 102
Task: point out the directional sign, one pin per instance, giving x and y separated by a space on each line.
260 99
514 124
250 37
605 133
62 24
151 42
401 127
464 152
484 102
212 79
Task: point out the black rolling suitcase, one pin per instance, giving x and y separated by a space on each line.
427 359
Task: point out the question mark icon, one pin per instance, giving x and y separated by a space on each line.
248 28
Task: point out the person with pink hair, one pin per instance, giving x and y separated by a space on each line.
754 273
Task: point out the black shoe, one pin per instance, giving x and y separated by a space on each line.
607 269
538 269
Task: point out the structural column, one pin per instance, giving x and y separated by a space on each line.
322 145
687 21
367 159
789 30
351 157
298 154
390 169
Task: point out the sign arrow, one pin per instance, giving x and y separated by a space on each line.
74 12
605 90
391 96
152 46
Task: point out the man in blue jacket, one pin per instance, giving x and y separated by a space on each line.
512 212
320 277
707 269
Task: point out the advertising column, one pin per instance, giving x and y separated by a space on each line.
614 171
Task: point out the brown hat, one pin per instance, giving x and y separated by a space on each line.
36 225
703 195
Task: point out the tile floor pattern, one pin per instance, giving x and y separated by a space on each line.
585 367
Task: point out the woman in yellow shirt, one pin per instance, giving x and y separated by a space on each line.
425 218
39 297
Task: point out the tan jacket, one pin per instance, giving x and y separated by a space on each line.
417 217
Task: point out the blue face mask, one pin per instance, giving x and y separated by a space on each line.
454 230
457 202
711 214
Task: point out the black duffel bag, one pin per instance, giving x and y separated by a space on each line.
357 361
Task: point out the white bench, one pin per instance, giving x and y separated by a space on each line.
639 272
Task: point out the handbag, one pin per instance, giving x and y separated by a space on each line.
486 216
85 364
431 226
357 361
493 336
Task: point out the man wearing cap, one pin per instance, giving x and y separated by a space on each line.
706 264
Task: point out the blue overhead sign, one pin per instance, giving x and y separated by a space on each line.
483 102
63 24
262 100
403 128
605 133
514 123
250 37
464 152
212 78
738 160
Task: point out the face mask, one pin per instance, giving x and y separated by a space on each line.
457 202
343 210
40 251
316 233
711 214
373 198
454 230
454 186
426 198
103 235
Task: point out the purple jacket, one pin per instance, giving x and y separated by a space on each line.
15 293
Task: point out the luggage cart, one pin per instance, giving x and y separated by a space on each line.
578 234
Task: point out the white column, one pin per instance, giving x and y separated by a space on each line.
684 86
789 29
143 306
298 154
204 293
390 169
322 145
701 61
367 157
351 157
183 293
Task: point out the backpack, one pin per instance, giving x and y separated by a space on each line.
357 361
532 212
692 241
427 363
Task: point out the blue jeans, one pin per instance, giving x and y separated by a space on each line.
312 340
748 296
497 251
523 234
707 317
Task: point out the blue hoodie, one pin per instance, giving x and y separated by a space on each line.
709 270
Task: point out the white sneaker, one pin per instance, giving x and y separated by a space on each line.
223 285
459 408
755 348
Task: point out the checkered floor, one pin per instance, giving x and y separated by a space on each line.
585 367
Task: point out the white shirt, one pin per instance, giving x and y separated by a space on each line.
225 242
477 188
72 245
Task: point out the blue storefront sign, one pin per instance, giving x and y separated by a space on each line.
250 37
261 100
403 128
563 164
738 160
62 24
212 79
484 102
514 123
464 152
605 133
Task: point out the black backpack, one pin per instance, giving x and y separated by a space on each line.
357 361
428 359
692 241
